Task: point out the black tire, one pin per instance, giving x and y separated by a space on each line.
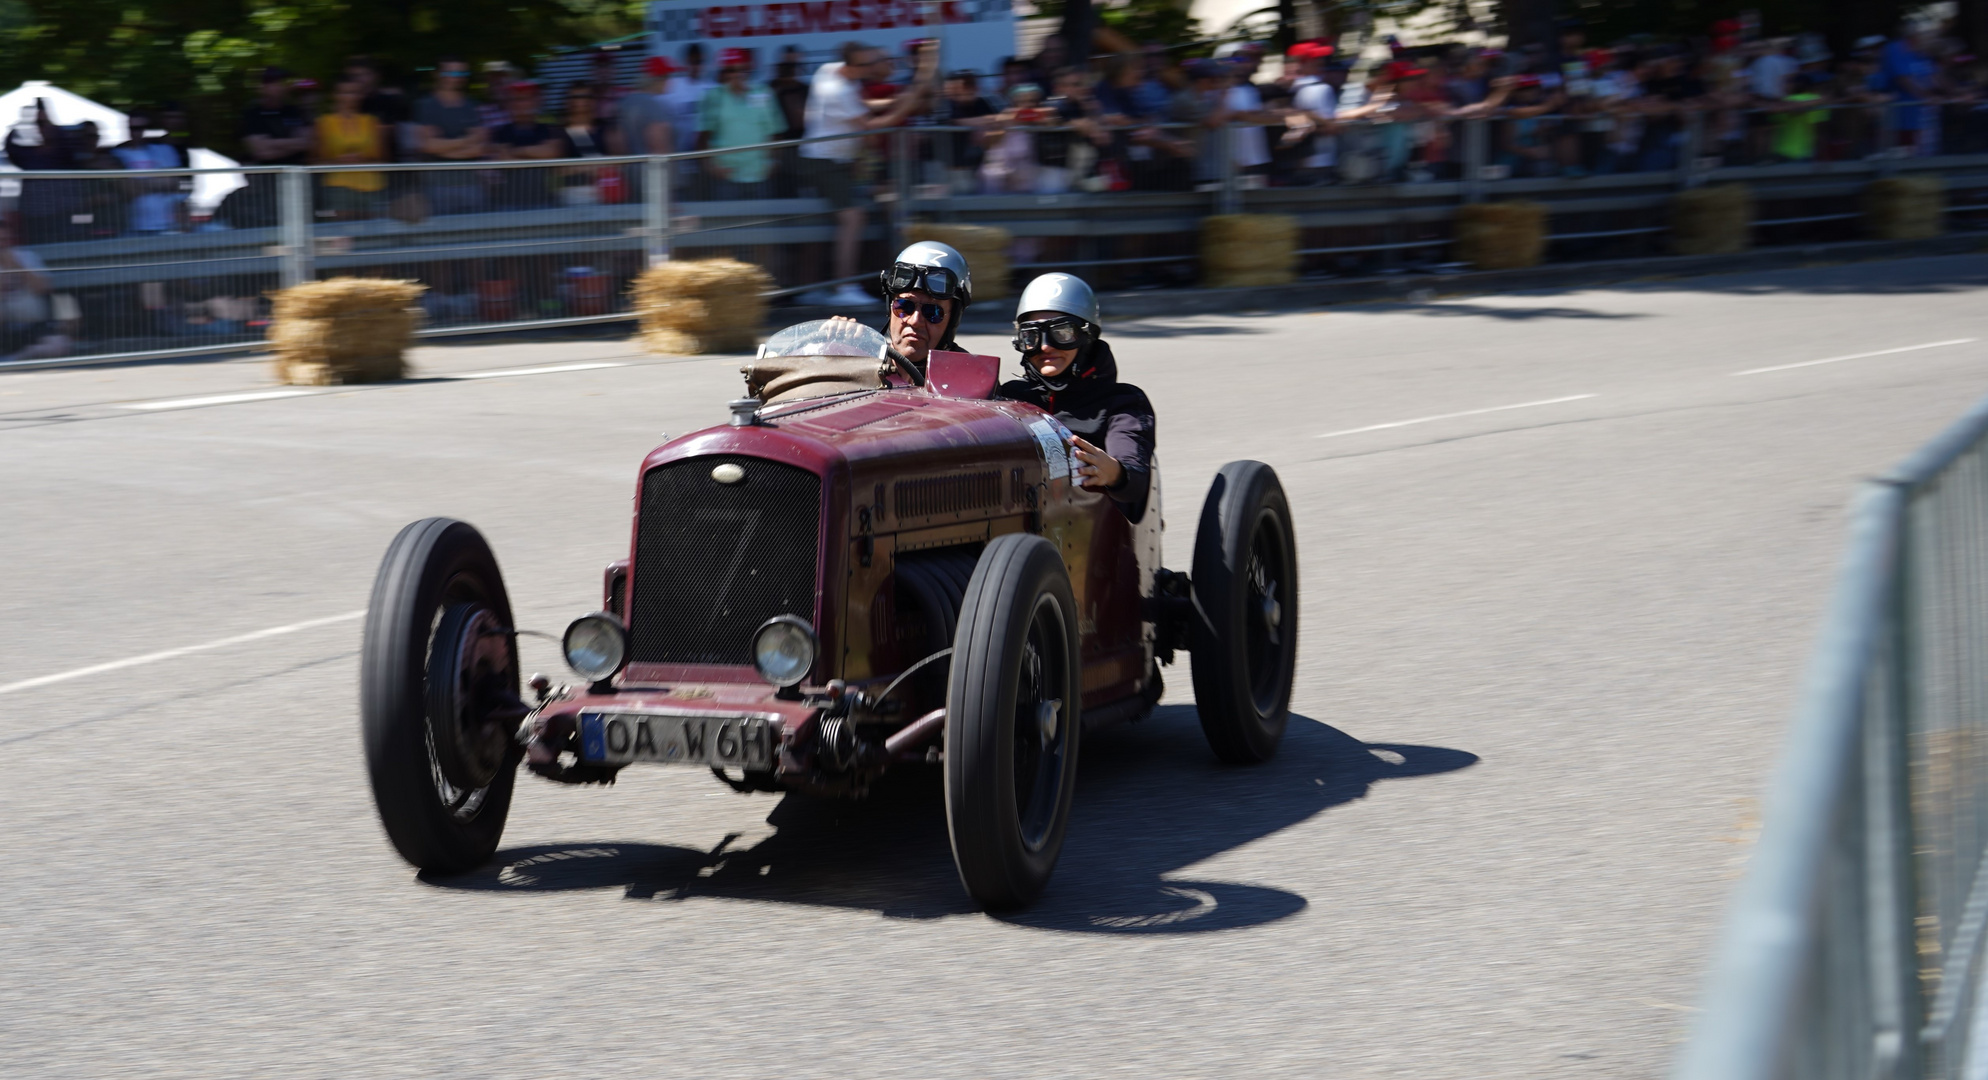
931 589
1245 634
438 574
1009 779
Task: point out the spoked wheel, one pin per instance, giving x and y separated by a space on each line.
438 696
1245 636
1013 722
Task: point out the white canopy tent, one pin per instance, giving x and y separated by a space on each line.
17 107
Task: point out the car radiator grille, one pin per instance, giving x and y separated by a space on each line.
713 561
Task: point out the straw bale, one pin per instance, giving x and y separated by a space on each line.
1501 235
1716 220
337 296
984 247
1249 250
1905 208
695 306
345 330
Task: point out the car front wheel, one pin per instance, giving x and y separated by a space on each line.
438 696
1013 722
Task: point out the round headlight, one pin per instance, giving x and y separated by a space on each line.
783 649
595 646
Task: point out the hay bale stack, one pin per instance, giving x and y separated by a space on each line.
1716 220
345 330
1501 235
984 247
695 306
1240 251
1905 208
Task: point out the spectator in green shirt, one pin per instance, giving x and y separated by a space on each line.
737 113
1796 119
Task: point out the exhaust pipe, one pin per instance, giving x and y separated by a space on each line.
915 734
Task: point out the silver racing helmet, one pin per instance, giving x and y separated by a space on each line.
1063 293
930 267
938 269
1074 323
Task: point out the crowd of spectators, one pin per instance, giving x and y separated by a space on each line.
1145 123
1039 125
1582 111
1152 120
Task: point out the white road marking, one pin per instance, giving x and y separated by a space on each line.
554 369
218 399
184 650
1859 356
271 395
1454 415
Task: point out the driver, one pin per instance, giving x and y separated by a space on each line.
1069 372
927 288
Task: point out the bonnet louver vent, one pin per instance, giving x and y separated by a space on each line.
947 494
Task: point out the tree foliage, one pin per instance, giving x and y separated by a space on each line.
206 53
1165 21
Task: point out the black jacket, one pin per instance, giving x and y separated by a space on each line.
1105 412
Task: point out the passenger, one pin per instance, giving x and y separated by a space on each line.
927 289
1069 372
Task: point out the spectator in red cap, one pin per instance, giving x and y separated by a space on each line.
1315 105
1301 61
737 112
644 122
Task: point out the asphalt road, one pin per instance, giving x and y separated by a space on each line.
1561 569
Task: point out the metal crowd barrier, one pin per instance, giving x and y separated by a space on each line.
527 244
1853 948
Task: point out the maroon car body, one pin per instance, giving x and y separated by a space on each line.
903 473
794 580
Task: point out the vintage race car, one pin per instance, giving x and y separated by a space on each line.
866 569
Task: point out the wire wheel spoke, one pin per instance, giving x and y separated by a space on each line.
462 803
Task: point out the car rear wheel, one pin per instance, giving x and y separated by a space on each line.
1245 634
1013 722
438 696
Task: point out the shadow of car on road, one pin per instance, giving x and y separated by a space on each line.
1150 801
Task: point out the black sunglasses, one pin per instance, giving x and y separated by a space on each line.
905 305
904 277
1064 333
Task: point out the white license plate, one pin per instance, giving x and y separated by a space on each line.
621 738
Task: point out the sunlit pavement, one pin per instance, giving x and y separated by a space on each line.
1562 564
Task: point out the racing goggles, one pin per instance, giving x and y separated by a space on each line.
904 306
1064 333
904 277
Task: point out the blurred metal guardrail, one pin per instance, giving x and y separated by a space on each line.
1854 945
123 268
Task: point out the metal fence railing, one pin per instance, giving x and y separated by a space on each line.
127 263
1854 945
